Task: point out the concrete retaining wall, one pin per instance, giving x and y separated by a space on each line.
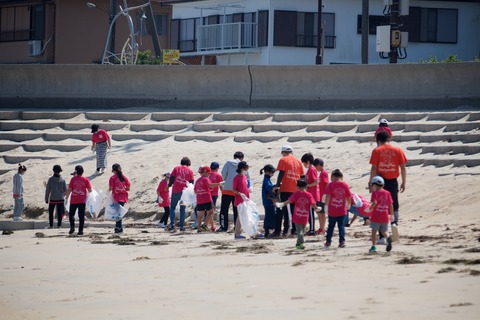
199 87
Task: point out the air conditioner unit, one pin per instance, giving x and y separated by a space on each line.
35 48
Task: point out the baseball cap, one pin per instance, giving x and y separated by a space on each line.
78 170
167 175
378 181
95 128
204 169
214 165
287 148
383 121
57 168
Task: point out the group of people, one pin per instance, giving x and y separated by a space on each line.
303 191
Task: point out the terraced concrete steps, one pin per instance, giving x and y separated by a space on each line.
438 138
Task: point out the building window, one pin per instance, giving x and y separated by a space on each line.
432 25
300 29
186 40
263 28
22 23
373 23
161 22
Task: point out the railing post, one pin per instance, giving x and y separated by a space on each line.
239 35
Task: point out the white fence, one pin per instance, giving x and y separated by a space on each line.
227 36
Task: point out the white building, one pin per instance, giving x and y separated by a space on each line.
284 32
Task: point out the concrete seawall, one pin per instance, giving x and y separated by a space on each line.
444 85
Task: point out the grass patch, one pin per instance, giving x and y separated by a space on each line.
462 261
410 260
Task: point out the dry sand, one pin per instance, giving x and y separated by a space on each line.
433 272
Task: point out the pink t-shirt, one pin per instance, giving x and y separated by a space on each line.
339 192
324 180
386 129
164 194
202 190
381 213
311 176
215 177
119 188
79 186
303 201
182 174
240 184
365 205
100 136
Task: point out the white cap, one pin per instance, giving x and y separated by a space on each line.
384 121
287 148
378 180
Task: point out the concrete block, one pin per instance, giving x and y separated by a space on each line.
241 116
307 117
278 127
263 139
20 136
403 117
27 125
124 116
405 137
462 127
474 116
437 163
362 128
10 115
335 128
145 137
185 116
75 126
311 138
446 116
16 225
65 136
336 117
19 158
425 127
358 138
3 171
58 115
59 147
451 137
159 126
182 138
218 127
9 146
414 162
452 149
466 163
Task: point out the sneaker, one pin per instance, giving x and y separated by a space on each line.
321 231
389 244
71 231
342 245
382 241
17 219
161 225
300 246
204 227
221 230
213 229
373 249
327 244
182 229
347 225
80 234
171 228
311 233
239 237
273 236
49 227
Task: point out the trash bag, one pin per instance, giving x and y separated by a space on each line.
113 210
249 217
188 196
95 202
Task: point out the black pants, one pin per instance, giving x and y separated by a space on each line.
81 216
391 185
226 201
165 216
60 211
283 214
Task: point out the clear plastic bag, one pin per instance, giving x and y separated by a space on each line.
113 210
249 217
188 196
95 202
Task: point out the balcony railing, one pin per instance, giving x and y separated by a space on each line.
238 37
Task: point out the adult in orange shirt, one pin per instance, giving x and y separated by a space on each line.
389 162
290 170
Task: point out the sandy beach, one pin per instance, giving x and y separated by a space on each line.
147 273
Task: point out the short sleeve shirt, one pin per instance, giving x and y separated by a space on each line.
100 136
387 159
381 213
339 192
202 190
312 176
163 190
183 175
303 201
324 181
215 177
79 186
293 170
240 184
119 188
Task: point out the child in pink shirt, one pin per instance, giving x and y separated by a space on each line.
239 187
304 203
214 177
202 189
382 212
323 181
163 199
337 200
119 185
78 187
312 187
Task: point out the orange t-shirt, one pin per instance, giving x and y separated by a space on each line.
387 159
293 169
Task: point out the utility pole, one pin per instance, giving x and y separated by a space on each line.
113 12
365 30
152 29
319 57
394 22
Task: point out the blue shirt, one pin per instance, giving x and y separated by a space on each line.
267 193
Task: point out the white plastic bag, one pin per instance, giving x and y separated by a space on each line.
95 202
188 196
249 217
358 203
113 210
